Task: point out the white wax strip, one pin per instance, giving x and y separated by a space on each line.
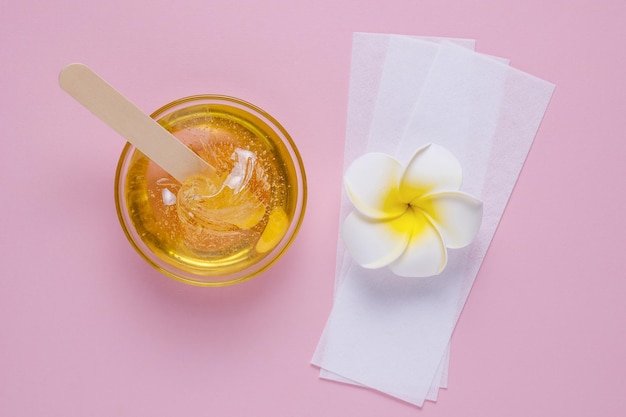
405 58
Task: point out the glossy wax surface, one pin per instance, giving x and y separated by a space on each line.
87 328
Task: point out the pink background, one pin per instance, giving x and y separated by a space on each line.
88 329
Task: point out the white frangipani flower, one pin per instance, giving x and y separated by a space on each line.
406 218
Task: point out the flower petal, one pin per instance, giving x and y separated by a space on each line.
372 184
425 254
457 216
376 243
432 169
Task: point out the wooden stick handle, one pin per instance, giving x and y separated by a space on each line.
96 95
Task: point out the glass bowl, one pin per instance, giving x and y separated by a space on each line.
224 227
